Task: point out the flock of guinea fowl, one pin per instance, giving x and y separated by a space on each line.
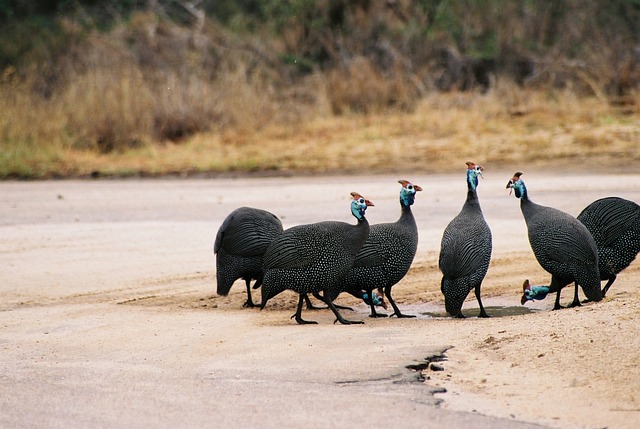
327 258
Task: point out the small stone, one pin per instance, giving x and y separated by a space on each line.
436 367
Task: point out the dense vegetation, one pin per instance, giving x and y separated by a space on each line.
108 76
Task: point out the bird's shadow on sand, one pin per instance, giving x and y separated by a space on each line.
493 311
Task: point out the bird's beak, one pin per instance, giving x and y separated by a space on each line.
369 203
417 188
510 186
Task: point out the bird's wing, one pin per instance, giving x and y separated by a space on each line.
610 217
372 253
245 235
565 242
295 249
464 249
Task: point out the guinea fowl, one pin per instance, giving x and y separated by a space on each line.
562 245
240 244
315 257
614 224
465 251
387 254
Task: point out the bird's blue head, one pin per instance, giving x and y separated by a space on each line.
473 171
377 299
359 205
529 293
517 185
408 192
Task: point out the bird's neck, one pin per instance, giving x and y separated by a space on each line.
406 215
363 233
472 199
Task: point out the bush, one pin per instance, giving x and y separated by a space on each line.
109 76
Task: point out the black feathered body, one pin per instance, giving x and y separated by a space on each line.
386 256
312 258
240 245
614 224
465 254
563 247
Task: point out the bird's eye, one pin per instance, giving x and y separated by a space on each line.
361 200
410 187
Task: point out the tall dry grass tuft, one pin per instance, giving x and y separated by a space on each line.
108 110
362 88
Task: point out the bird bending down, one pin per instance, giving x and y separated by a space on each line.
465 250
387 254
614 224
315 257
240 244
562 245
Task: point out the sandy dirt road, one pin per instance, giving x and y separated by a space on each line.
109 317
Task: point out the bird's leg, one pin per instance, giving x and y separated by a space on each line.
339 317
324 299
608 285
310 305
344 307
576 300
249 302
374 313
554 282
328 297
396 310
298 315
483 313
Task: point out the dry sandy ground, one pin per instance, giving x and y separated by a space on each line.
109 317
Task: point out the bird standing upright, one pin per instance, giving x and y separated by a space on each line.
239 247
562 245
315 257
465 250
387 254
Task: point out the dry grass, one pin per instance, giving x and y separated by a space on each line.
506 126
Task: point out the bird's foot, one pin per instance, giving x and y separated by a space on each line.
348 322
557 307
301 321
402 315
575 303
484 315
249 304
374 315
